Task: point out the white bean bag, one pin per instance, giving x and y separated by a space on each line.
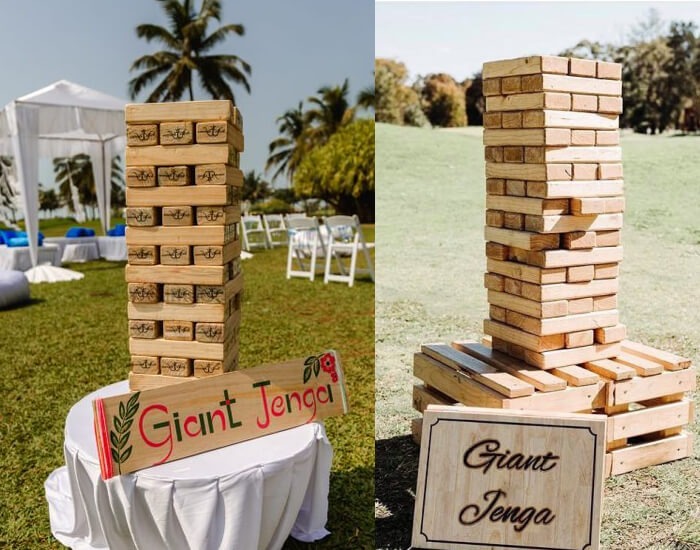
14 288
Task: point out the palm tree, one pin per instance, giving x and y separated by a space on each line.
75 173
366 98
287 151
255 188
7 194
331 111
186 43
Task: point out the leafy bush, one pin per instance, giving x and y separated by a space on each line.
444 101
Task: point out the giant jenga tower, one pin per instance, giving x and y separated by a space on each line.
183 215
554 208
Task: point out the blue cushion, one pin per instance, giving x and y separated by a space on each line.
18 241
6 235
87 232
117 231
74 232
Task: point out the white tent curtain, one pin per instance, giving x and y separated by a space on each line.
62 120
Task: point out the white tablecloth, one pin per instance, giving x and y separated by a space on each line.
112 249
76 249
18 257
249 495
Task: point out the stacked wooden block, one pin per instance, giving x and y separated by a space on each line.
183 239
554 208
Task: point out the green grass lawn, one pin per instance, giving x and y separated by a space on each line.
72 339
430 217
57 227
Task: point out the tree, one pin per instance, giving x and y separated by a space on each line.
395 102
75 173
117 187
474 99
286 151
48 200
255 188
187 45
443 101
366 99
341 172
330 111
7 193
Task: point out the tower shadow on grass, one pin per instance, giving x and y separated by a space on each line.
396 468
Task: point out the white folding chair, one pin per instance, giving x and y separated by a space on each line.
345 238
253 232
304 241
275 230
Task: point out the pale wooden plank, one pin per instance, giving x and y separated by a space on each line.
642 388
650 454
669 360
576 376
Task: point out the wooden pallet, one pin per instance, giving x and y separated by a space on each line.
642 393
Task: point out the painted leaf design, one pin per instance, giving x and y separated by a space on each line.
113 438
123 440
122 409
125 455
126 426
310 360
317 367
307 373
118 424
115 456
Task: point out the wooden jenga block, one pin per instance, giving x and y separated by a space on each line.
522 137
144 293
493 154
142 255
538 310
609 171
580 102
574 120
187 110
141 134
573 85
582 67
555 189
590 206
210 332
217 174
141 216
580 273
609 70
568 258
585 171
608 238
525 339
173 175
145 365
178 330
528 101
177 215
527 273
529 172
528 205
559 325
559 291
607 137
583 137
515 188
567 224
140 176
179 275
494 218
176 133
175 348
493 120
565 357
607 270
579 239
510 85
521 239
496 251
201 195
495 186
216 254
512 119
580 305
512 286
643 367
194 235
579 339
208 294
491 86
220 131
518 255
601 303
526 65
175 255
142 328
609 104
534 154
167 155
608 335
178 294
204 367
497 313
513 154
176 366
583 154
513 220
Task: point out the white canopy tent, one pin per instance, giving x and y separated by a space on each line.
61 120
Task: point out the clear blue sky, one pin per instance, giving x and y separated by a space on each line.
294 47
457 37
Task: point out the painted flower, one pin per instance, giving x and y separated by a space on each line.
328 363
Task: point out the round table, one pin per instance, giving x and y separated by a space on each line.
248 495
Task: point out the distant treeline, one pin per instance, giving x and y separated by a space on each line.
661 83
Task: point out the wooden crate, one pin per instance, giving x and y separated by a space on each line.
643 394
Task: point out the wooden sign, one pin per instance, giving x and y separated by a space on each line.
155 426
495 479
